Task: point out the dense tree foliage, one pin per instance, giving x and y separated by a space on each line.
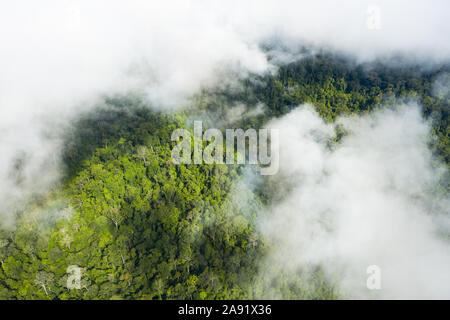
140 227
336 86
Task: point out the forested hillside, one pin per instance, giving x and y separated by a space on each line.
141 227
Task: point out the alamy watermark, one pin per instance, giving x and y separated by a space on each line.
74 278
373 281
213 153
373 21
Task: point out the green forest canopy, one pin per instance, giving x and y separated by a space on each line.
141 227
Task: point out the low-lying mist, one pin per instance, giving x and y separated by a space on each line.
58 57
369 199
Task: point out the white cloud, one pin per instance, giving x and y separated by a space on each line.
369 201
57 56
